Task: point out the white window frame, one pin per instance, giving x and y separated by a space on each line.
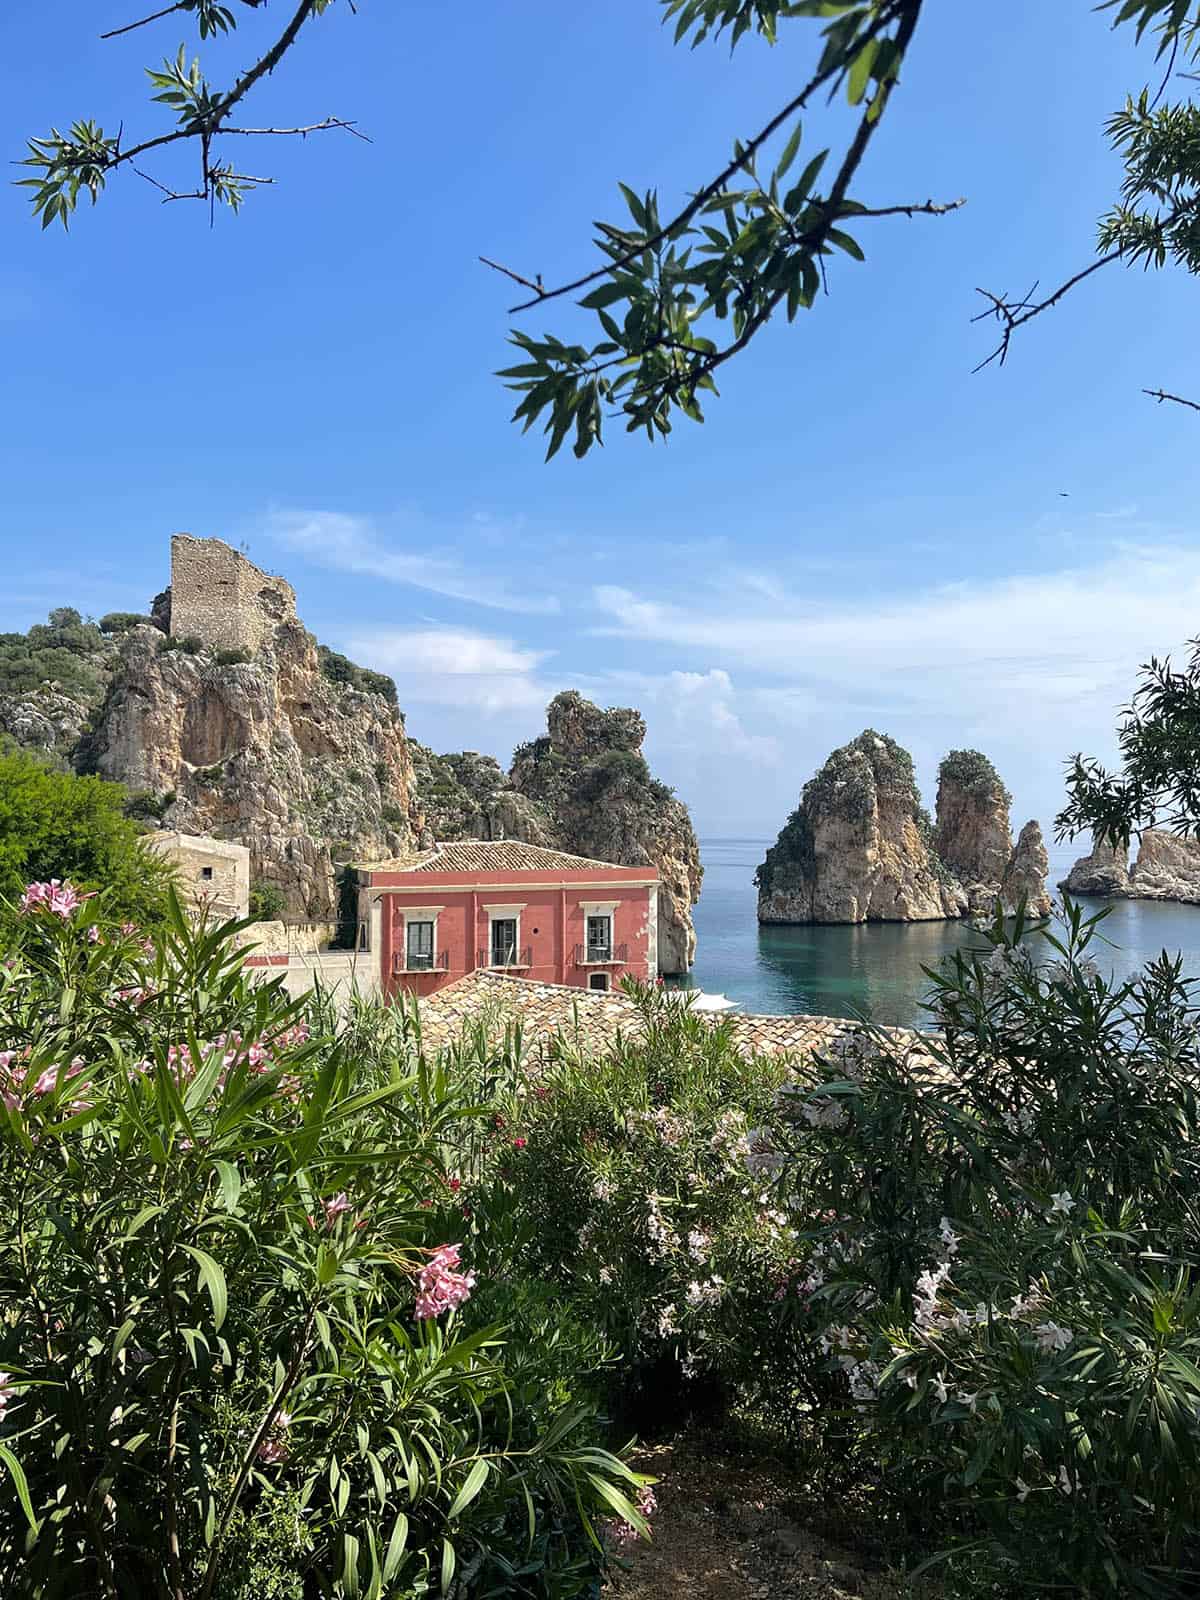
600 908
507 913
421 914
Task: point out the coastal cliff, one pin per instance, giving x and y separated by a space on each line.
584 787
1167 868
861 848
222 715
306 771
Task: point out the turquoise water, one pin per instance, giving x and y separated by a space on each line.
874 969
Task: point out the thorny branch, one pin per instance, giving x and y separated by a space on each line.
740 163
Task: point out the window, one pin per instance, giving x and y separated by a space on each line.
420 946
206 873
598 980
504 941
599 938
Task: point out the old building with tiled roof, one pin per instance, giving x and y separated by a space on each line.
431 917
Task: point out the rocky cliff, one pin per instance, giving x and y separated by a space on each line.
861 848
584 786
306 771
1167 868
299 754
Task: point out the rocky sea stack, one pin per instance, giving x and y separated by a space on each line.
1167 868
860 847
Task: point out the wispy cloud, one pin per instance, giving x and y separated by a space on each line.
455 667
348 543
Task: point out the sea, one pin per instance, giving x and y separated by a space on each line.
875 970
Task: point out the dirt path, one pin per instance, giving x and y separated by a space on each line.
728 1527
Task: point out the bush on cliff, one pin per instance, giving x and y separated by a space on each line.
56 825
241 1353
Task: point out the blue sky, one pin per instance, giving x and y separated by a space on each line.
863 533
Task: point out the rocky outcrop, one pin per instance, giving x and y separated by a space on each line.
1167 868
856 849
1024 877
469 796
307 772
973 837
860 847
1104 871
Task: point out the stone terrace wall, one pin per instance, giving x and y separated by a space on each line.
221 597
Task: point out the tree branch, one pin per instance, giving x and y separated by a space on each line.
1160 395
1013 314
142 22
738 164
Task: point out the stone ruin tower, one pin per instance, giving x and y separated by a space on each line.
219 596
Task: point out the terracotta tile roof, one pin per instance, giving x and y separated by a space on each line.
547 1011
494 855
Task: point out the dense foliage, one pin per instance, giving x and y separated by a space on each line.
1159 781
64 651
972 771
340 669
56 825
235 1348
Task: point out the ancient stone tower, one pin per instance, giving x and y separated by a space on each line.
221 597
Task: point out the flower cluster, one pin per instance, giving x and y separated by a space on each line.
273 1448
14 1078
57 897
440 1285
624 1533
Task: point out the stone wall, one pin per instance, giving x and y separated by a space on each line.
212 872
220 597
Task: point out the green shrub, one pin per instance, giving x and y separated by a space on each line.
215 1227
122 621
146 806
64 650
267 903
340 669
191 645
231 658
56 825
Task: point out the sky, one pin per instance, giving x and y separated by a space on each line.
863 533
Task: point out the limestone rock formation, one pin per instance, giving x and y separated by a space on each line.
1024 877
305 771
973 837
855 849
1104 871
860 847
1167 868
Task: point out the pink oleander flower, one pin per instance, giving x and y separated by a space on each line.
336 1208
519 1144
57 897
93 934
274 1448
624 1533
440 1285
47 1082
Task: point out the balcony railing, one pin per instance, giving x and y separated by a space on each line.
601 955
507 960
403 965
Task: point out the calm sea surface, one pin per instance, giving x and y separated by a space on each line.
874 969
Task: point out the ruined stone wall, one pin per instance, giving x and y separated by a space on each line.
219 596
211 872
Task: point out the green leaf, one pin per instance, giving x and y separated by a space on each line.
395 1549
449 1561
605 295
231 1183
789 151
860 72
20 1484
475 1481
214 1281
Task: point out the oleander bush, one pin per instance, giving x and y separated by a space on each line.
248 1345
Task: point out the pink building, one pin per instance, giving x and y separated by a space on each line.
535 913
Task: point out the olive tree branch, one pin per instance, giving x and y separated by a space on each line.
741 162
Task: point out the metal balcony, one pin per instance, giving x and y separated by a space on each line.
404 966
506 960
597 955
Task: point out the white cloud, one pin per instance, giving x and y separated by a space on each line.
455 667
354 544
